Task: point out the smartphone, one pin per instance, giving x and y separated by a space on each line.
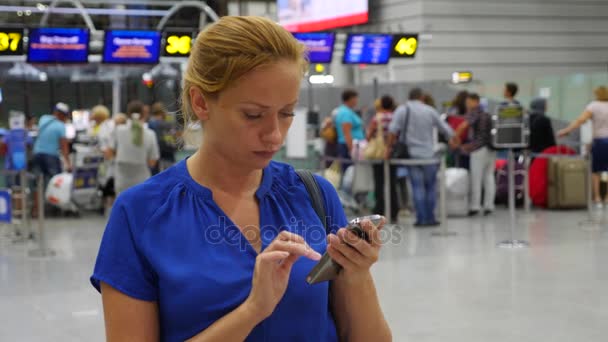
327 269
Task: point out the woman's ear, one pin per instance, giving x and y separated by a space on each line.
200 105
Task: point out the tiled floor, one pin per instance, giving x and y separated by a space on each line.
457 288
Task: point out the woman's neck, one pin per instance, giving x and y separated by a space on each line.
218 173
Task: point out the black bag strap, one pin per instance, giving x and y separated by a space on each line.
407 122
314 191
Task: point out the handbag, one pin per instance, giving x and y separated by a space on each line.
376 148
401 150
328 132
333 174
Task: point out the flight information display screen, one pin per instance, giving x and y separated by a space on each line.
367 48
320 46
58 45
131 47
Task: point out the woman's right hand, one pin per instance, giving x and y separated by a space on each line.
272 270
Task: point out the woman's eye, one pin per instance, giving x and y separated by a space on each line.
252 116
288 114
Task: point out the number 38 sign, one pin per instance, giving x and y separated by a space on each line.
177 44
11 42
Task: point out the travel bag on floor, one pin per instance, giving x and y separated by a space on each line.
567 188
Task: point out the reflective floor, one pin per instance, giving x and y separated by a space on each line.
455 288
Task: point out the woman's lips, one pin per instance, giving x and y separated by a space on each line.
266 154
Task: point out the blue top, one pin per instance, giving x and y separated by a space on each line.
347 115
50 133
168 241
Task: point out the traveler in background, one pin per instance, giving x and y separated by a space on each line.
428 100
349 124
134 149
385 106
597 112
145 114
51 143
541 129
458 107
165 135
103 130
419 138
483 158
329 135
510 92
100 115
455 118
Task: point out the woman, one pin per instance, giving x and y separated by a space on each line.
100 115
349 125
597 112
103 130
541 129
384 114
207 250
134 149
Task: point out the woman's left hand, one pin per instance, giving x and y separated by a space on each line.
356 255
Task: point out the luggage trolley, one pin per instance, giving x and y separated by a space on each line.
85 193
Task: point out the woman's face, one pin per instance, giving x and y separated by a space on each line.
248 121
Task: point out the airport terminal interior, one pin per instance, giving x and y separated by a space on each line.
478 129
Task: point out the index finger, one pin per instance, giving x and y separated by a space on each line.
373 232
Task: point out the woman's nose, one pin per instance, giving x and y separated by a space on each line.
272 134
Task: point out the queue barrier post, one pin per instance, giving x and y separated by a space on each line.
42 250
512 242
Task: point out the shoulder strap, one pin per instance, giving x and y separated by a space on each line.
407 122
46 124
314 191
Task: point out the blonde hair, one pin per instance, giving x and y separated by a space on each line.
378 105
100 111
230 48
601 93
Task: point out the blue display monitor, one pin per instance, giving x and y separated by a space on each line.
366 48
131 47
319 45
58 45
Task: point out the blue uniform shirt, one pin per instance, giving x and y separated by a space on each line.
168 241
347 115
50 133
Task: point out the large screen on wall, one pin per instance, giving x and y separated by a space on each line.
317 15
319 45
365 48
131 47
58 45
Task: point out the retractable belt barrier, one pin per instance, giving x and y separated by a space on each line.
42 249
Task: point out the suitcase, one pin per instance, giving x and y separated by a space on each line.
457 191
502 183
567 188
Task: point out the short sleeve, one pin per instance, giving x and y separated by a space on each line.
398 120
120 262
111 140
336 218
591 107
153 152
